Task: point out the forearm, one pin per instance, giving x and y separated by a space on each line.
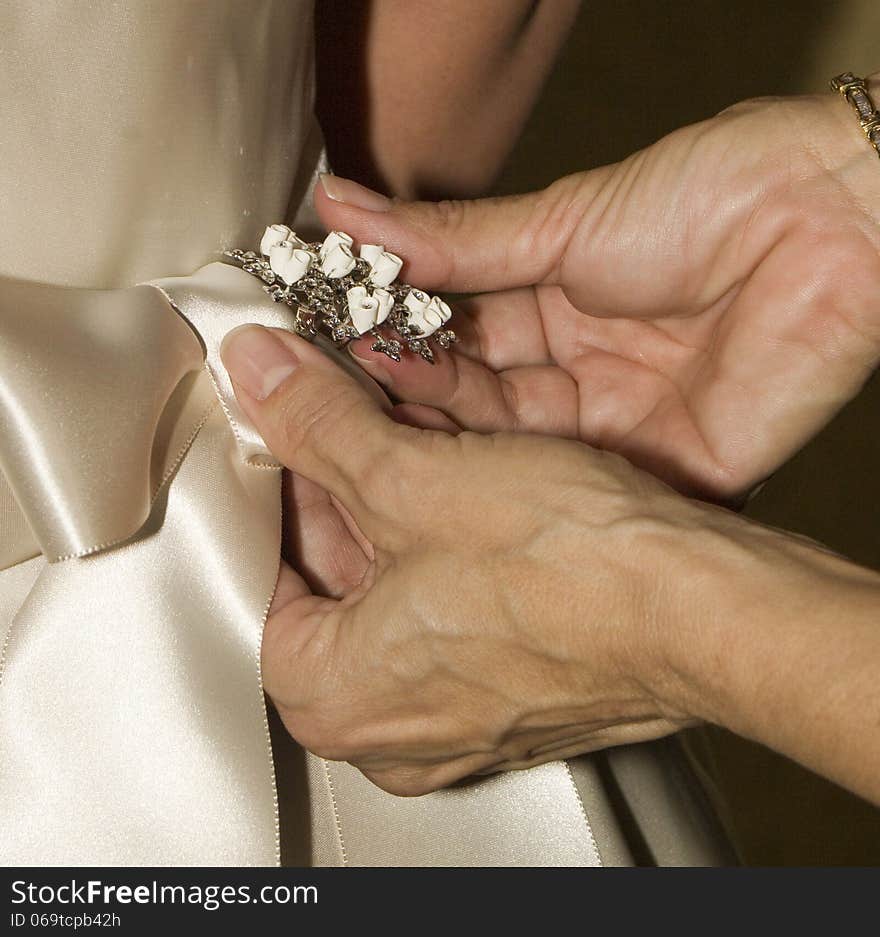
783 647
425 99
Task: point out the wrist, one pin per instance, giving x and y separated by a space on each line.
832 137
777 628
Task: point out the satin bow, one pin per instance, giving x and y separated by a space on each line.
140 522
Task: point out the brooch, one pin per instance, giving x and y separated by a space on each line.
344 296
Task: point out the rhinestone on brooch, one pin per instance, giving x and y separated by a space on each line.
344 296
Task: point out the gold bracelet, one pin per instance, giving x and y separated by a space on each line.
856 92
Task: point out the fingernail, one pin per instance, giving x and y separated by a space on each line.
371 366
256 360
353 193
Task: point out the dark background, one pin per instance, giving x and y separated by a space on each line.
632 71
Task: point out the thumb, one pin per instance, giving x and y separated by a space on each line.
318 420
467 246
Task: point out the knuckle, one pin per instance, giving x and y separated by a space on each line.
451 219
547 228
374 472
450 215
437 223
411 458
314 415
405 465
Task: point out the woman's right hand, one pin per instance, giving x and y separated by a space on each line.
703 307
520 600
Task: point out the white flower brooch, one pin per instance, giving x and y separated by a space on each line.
344 296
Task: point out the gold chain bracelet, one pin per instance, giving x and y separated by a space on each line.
856 92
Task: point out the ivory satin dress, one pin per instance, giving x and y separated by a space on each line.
140 514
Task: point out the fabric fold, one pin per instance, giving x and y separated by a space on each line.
133 727
85 377
215 300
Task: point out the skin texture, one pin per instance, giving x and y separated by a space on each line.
421 98
475 602
703 307
525 598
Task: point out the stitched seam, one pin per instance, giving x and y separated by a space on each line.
251 460
275 808
3 649
214 384
268 734
223 404
172 468
336 819
7 640
580 801
270 466
184 448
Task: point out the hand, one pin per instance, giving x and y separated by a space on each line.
703 307
520 599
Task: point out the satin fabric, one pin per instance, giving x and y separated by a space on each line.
137 140
87 344
136 733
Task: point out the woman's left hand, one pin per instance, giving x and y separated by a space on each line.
703 307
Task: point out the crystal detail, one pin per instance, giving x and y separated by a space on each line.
321 305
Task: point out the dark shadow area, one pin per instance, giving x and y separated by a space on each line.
636 69
632 835
342 103
293 796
